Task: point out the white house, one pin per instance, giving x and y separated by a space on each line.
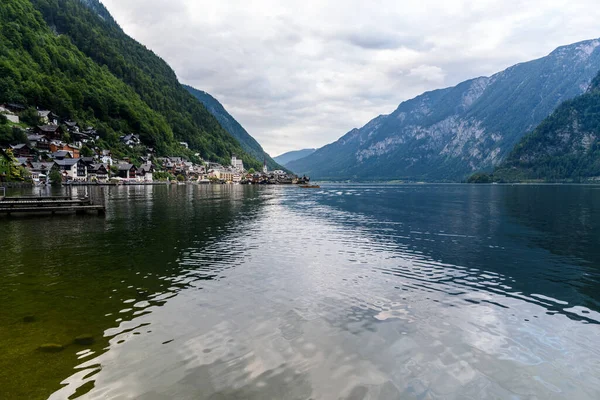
73 168
44 116
106 158
237 164
145 172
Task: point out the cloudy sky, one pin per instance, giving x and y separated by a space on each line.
301 73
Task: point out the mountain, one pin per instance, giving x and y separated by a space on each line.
248 143
445 135
565 146
70 56
290 156
40 68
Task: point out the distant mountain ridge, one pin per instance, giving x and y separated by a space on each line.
248 143
290 156
446 134
565 146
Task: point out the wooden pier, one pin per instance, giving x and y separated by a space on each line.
52 205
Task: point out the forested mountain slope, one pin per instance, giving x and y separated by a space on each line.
564 146
85 67
40 68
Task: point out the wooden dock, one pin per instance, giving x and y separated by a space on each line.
51 205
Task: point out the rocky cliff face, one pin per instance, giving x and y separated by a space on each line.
447 134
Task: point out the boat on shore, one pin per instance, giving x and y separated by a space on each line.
310 186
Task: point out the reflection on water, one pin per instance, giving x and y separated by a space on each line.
347 292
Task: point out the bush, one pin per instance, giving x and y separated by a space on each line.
480 177
31 117
162 176
180 178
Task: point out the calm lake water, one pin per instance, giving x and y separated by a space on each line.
344 292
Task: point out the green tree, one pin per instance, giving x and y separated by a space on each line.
114 170
86 151
30 117
180 178
9 170
480 177
55 177
251 171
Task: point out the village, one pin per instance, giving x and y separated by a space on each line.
61 152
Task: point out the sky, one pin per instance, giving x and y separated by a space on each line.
301 73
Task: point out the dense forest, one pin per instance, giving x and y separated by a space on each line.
72 58
564 146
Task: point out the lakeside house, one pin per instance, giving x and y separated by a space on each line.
146 172
237 163
127 171
72 168
98 172
40 170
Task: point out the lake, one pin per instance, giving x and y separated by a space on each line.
344 292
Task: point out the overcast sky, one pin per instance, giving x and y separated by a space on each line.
301 73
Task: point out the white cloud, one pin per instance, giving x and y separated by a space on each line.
428 73
302 73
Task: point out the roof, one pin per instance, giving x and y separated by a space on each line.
38 166
96 167
21 160
18 146
71 124
48 128
129 137
87 160
125 167
61 153
146 168
36 138
43 113
67 162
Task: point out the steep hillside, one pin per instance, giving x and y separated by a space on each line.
39 68
88 25
564 146
290 156
248 143
447 134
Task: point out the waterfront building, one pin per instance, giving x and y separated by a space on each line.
237 164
